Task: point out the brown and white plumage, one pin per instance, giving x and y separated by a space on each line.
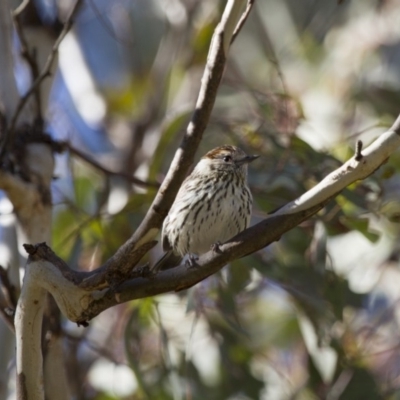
213 205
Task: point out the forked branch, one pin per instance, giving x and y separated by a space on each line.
75 292
247 242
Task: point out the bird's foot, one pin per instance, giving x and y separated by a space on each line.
147 272
215 247
191 261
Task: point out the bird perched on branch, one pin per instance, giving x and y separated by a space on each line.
213 204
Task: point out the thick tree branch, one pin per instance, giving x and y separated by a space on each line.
74 292
28 188
82 305
184 156
29 191
373 157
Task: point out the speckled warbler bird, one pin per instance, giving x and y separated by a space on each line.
213 204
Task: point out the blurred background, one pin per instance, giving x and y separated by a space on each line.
313 316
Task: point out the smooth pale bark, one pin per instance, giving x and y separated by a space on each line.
373 157
12 260
32 206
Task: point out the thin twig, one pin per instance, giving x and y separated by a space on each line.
29 57
108 26
380 352
20 8
106 171
364 130
9 134
358 155
272 57
243 19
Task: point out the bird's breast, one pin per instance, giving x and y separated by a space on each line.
209 212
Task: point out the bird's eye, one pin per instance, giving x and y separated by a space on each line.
227 158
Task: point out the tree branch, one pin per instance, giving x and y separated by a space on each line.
29 56
106 171
69 288
80 304
373 157
184 156
243 19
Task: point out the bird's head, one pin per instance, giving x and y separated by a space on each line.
225 158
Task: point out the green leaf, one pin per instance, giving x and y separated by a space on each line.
358 196
361 386
85 193
391 210
239 275
361 225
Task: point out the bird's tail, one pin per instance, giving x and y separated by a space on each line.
167 261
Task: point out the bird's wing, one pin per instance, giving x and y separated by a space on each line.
167 261
166 245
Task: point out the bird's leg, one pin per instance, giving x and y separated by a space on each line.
143 271
215 247
191 261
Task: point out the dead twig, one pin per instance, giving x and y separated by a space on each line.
358 155
21 8
243 19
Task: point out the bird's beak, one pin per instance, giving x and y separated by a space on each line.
246 160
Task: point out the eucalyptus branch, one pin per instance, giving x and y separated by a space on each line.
82 303
372 158
184 156
74 292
